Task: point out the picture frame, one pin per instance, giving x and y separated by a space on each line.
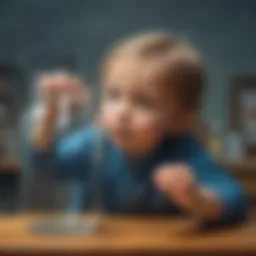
243 110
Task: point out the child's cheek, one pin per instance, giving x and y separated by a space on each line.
106 119
151 124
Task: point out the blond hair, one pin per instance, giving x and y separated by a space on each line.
177 63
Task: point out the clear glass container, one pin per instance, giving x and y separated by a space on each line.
73 219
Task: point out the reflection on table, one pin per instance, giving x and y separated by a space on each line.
127 235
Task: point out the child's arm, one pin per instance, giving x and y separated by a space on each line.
44 128
47 150
52 89
68 157
203 188
178 183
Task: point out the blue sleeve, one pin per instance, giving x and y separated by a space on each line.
69 157
210 175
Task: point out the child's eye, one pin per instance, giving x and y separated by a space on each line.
112 94
145 103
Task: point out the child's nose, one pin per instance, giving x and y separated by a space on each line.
124 111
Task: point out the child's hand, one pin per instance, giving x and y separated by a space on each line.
178 183
53 87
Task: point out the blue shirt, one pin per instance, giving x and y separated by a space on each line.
126 183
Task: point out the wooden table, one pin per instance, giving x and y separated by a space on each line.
128 236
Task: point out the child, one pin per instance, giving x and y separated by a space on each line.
151 91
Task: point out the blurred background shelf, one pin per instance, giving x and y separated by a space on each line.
240 166
9 186
10 166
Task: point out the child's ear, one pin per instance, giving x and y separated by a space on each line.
190 118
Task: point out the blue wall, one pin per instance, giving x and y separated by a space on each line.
37 34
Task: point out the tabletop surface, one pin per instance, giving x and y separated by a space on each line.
129 234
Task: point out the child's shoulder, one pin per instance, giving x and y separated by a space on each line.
183 145
87 133
182 139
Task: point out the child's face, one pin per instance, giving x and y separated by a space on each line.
134 111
